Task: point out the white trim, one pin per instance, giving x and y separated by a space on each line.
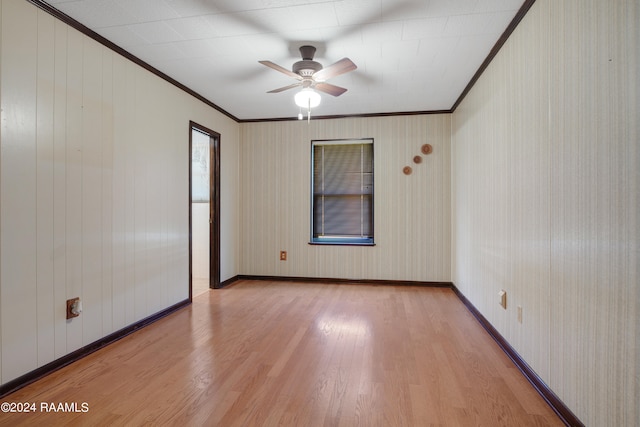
341 141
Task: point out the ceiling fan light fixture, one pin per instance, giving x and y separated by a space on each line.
307 98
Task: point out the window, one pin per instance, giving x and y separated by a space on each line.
200 166
342 192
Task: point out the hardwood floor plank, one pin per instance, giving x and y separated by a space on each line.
267 353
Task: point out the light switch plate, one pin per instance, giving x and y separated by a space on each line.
502 298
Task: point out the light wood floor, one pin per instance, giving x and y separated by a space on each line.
298 354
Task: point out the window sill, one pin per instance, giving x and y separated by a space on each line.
341 243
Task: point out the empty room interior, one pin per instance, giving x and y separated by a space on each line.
450 237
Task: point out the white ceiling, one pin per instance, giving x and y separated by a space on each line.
412 55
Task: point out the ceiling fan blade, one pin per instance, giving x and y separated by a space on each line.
343 66
282 89
281 69
330 89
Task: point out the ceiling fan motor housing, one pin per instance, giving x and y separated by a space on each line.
307 66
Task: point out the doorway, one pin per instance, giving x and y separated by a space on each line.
204 209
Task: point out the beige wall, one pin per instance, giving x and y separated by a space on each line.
200 215
94 189
545 182
411 213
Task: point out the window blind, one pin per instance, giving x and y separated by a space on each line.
343 190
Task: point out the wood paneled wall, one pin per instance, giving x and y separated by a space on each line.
94 194
545 184
412 213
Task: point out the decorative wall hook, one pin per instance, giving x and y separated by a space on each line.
426 149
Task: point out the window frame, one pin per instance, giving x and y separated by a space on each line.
334 239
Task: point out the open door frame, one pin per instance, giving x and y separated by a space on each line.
214 208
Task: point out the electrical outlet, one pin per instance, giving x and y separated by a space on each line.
283 255
74 308
519 314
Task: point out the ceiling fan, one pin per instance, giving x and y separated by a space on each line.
311 75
